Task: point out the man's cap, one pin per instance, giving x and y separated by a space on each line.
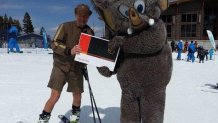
82 9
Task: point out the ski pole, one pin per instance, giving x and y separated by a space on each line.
95 106
90 93
85 73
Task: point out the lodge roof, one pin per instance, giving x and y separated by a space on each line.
27 36
178 1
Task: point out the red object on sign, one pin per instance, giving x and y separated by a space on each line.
84 43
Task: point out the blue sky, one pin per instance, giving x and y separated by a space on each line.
48 13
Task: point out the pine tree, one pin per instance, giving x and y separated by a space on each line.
10 22
5 18
1 22
27 24
5 22
17 23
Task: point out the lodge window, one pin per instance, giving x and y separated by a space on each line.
166 18
169 30
188 30
189 17
210 20
189 25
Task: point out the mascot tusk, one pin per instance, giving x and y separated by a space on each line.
151 22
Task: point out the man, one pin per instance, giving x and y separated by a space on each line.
12 43
191 51
65 69
173 46
201 54
186 46
179 49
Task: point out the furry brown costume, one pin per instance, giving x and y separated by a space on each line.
146 67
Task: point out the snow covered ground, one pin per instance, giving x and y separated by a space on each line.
23 91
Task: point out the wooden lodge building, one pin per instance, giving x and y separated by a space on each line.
189 19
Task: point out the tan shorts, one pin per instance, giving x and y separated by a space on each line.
59 78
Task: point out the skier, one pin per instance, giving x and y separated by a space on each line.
179 49
211 51
206 54
185 46
65 69
13 32
191 51
173 46
201 54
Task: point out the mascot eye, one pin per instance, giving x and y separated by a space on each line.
140 6
124 10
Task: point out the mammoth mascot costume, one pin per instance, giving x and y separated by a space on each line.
145 64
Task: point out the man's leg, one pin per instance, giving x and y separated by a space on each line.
46 113
188 56
17 47
10 45
179 54
55 95
77 96
193 57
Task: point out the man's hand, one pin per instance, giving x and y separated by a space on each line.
75 50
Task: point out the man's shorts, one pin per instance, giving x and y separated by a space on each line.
59 78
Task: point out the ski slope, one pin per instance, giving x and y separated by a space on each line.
23 91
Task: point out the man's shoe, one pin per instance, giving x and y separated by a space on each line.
44 118
74 118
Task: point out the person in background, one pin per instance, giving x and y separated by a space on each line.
201 54
185 46
206 54
179 49
211 52
196 47
173 45
196 44
191 51
13 40
65 69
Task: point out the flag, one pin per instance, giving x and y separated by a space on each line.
210 35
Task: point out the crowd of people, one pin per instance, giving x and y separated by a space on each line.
191 48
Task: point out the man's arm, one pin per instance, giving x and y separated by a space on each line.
58 44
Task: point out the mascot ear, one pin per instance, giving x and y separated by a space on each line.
101 6
163 4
